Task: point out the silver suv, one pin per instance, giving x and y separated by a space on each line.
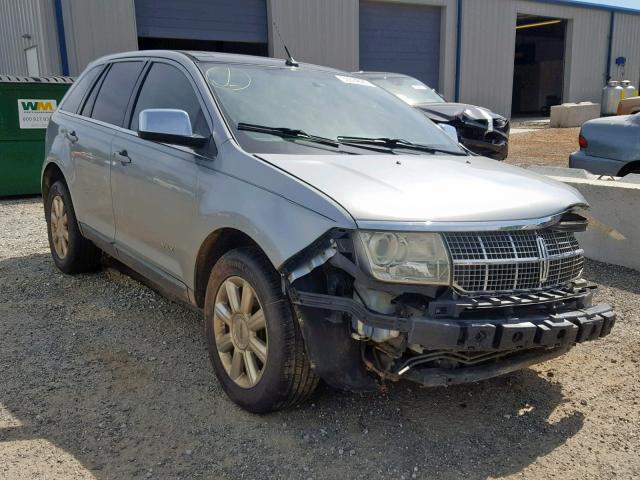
326 229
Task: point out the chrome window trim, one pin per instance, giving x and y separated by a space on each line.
493 226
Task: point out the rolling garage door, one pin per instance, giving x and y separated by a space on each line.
214 20
401 38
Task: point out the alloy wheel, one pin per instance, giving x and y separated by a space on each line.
240 332
59 226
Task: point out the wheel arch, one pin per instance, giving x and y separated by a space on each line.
629 167
51 174
212 249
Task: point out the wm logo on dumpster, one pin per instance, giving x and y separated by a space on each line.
35 112
38 105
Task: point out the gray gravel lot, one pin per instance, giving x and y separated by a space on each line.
103 378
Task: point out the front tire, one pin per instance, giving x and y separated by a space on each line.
71 252
255 344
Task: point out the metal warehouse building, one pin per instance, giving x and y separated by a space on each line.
516 57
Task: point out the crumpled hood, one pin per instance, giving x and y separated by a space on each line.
436 188
445 112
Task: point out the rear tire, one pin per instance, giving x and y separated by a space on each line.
261 364
624 172
71 252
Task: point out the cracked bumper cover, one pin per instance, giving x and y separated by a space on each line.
540 329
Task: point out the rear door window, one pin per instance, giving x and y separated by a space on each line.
165 86
79 90
111 103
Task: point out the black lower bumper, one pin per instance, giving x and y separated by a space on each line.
442 377
531 330
496 150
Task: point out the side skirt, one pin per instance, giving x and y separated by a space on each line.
168 285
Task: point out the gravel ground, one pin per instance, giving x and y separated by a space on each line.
102 378
543 146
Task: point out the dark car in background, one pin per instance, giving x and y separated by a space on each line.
479 129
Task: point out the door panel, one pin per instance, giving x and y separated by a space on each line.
154 189
90 145
90 149
153 184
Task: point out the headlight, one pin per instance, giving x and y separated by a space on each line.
500 122
404 257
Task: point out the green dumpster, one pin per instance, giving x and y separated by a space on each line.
26 104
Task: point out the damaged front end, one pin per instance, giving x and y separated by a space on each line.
480 130
504 300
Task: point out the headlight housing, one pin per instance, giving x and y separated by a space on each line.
500 122
404 257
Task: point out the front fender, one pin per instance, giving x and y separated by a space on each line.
279 212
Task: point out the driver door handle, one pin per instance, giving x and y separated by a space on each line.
123 156
71 136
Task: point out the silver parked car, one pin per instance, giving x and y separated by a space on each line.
325 229
609 146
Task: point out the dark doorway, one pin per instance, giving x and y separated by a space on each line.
245 48
538 72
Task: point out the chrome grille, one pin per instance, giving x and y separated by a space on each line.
499 262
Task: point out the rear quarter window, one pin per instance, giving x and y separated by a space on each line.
78 91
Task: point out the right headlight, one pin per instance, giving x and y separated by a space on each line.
500 122
404 257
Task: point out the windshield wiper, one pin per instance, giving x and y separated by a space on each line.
287 133
392 143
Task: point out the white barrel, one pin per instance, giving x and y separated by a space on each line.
629 90
611 96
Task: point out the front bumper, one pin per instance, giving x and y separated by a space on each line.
443 377
496 149
481 333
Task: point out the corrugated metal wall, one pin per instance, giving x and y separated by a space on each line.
323 32
327 32
30 17
626 43
227 20
488 44
401 38
94 28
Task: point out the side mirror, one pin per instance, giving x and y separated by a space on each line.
450 131
168 125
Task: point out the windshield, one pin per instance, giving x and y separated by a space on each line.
408 89
325 104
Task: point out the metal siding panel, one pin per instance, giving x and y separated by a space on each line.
18 17
401 38
626 42
228 20
95 28
327 33
489 26
321 32
50 55
488 44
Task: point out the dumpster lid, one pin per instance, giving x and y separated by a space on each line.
18 79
